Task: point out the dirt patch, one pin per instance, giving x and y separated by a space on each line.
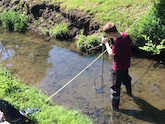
46 14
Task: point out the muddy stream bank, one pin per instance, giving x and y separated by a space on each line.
49 64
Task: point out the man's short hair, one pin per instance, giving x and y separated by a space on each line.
109 27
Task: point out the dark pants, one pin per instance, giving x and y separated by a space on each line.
119 78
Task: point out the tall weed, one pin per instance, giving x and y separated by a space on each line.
84 43
59 30
13 21
151 47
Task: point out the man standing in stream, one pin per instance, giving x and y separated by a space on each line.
121 53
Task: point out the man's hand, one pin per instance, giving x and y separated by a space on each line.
104 40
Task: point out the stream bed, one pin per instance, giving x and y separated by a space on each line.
49 64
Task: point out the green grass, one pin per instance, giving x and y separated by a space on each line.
22 96
85 43
59 30
122 12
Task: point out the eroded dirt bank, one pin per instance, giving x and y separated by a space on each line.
45 14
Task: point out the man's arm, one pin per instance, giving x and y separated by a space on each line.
109 50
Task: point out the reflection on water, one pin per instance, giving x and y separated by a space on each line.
24 57
50 64
5 52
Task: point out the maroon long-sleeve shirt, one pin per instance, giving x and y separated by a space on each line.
121 50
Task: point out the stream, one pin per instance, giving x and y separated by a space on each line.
49 64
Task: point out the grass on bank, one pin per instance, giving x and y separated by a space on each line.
59 30
86 43
22 96
122 12
13 21
56 31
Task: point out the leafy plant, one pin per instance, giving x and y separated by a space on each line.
12 20
59 30
84 43
150 27
151 47
80 42
44 31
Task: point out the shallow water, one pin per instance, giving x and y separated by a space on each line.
49 64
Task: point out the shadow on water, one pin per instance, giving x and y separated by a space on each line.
159 59
146 114
147 109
